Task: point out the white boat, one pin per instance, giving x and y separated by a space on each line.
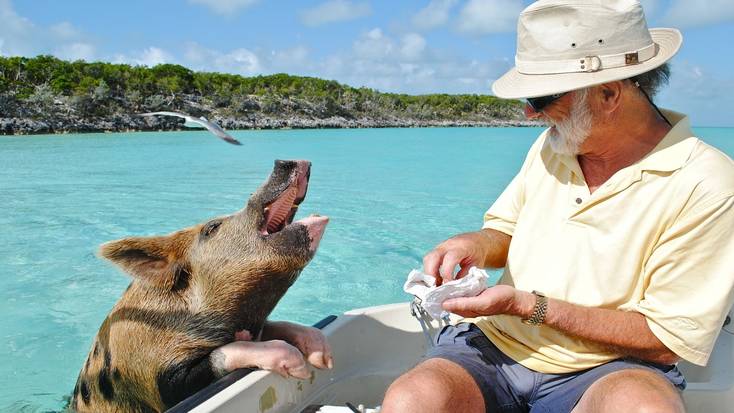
373 346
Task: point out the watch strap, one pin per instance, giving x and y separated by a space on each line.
539 311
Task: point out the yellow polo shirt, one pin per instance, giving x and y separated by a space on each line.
657 238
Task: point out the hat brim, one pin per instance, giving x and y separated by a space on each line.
515 85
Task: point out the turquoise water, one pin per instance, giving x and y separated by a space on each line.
391 194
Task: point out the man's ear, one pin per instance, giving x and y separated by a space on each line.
158 261
610 95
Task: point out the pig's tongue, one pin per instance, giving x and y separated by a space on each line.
278 212
315 224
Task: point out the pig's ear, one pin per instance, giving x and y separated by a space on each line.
159 261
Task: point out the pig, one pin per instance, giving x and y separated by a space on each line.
198 304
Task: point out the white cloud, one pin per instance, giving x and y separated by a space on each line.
434 15
695 91
149 57
12 22
195 53
333 66
17 33
75 51
241 61
373 45
412 46
154 56
693 13
19 36
225 7
408 64
64 30
489 16
650 8
335 11
284 60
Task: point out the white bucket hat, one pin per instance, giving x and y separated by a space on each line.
565 45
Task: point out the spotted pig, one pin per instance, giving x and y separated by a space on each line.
198 304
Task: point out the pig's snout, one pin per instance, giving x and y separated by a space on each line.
315 224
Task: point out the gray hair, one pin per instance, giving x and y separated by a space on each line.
651 81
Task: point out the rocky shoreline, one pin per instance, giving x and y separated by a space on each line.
133 123
46 95
46 113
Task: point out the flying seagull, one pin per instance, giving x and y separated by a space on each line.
192 122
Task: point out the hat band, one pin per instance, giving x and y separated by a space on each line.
586 64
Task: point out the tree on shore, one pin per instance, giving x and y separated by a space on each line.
98 89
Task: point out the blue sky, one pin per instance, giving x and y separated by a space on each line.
408 46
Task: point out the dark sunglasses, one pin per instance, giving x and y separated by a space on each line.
539 103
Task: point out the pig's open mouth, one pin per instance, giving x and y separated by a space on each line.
280 212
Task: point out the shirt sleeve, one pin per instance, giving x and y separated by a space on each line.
502 215
690 277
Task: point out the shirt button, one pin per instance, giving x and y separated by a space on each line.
578 200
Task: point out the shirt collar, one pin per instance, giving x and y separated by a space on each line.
674 149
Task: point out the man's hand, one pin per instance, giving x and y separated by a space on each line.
310 341
500 299
485 248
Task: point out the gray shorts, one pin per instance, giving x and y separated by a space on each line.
508 386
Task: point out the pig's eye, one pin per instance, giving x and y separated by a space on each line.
210 228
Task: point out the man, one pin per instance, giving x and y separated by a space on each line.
615 236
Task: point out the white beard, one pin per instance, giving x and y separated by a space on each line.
567 136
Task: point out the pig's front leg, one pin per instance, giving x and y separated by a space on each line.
309 340
272 355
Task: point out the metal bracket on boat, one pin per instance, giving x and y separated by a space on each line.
424 319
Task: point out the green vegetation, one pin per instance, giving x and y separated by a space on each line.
45 87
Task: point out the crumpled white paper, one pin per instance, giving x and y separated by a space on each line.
424 287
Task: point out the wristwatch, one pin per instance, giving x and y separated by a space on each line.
541 306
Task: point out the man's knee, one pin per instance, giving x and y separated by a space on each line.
631 390
436 385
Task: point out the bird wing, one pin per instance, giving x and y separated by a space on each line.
176 114
210 126
215 129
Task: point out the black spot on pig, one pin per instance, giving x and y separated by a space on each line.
181 380
103 380
84 390
182 276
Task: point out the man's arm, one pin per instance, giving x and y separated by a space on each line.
624 332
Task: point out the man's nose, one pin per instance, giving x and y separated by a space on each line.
530 113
